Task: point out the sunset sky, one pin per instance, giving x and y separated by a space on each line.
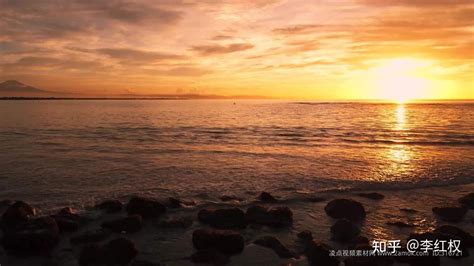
332 49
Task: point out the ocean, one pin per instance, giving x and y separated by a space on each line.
76 152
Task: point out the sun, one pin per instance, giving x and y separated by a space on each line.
400 80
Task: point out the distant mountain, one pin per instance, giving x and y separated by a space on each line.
14 86
16 89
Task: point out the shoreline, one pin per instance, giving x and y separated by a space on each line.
167 238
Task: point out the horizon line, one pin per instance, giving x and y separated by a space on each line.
237 97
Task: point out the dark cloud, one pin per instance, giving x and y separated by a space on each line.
133 55
47 63
43 19
297 29
181 71
221 49
221 37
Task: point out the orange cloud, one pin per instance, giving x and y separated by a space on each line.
293 48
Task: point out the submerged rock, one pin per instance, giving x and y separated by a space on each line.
16 215
35 236
147 208
467 200
428 260
318 255
180 222
409 210
130 224
276 216
68 220
454 232
316 199
400 224
450 214
274 244
368 261
359 242
144 263
120 251
305 235
90 237
230 218
371 195
174 203
345 208
110 206
226 198
266 197
344 230
6 203
209 256
225 241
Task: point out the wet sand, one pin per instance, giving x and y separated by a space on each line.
174 246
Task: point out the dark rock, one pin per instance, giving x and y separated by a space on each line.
147 208
144 263
467 200
90 237
92 255
120 251
6 203
16 215
345 208
35 236
453 232
450 214
368 261
344 230
130 224
316 199
419 260
305 235
275 244
266 197
174 203
276 216
424 261
423 236
68 220
209 256
400 224
230 218
371 195
66 224
181 222
318 255
67 211
359 242
409 210
227 242
110 206
226 198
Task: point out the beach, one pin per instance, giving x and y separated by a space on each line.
162 242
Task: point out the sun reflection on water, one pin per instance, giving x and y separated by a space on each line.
400 117
399 157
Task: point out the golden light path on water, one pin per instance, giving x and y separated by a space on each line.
398 160
399 155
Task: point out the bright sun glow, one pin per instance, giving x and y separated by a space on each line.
401 80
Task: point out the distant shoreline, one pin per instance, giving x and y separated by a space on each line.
119 98
297 101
